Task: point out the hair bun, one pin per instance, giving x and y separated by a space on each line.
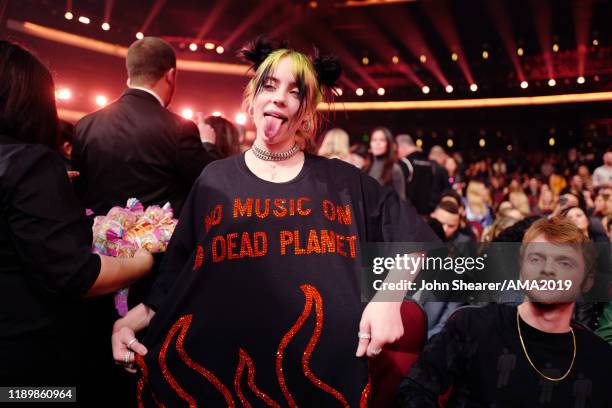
328 69
256 52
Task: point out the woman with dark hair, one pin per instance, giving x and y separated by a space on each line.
227 136
382 163
256 302
45 238
578 216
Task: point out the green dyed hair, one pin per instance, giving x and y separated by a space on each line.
310 93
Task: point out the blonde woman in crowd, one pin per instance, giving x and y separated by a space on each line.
520 201
335 145
477 204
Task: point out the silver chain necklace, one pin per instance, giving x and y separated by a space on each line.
267 155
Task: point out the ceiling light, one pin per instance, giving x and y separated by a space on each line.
63 94
380 91
524 84
241 118
359 91
139 35
187 113
101 100
193 47
425 89
70 16
105 26
473 87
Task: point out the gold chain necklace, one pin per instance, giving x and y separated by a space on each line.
518 326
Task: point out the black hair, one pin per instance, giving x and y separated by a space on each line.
27 99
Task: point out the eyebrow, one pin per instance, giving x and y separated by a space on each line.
556 258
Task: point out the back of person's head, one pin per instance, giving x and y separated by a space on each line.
228 137
405 140
148 60
27 100
437 153
335 144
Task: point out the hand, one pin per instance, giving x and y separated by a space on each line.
144 256
73 174
383 322
207 133
123 354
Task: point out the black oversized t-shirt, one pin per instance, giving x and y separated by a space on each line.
260 280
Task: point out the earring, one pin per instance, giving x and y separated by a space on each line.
306 126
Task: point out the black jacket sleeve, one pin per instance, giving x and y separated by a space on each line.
440 362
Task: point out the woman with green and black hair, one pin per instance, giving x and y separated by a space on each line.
258 300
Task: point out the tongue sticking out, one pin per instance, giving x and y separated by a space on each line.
271 125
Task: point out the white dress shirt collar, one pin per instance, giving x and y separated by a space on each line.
150 92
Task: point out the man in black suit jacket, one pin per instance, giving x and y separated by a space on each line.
135 147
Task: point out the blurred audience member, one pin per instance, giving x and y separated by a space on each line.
335 145
382 163
419 174
602 176
477 202
227 137
358 155
440 181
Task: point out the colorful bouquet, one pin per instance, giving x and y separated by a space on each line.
122 231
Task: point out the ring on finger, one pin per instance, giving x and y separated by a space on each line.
129 345
374 352
127 358
364 335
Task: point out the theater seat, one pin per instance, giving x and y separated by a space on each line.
394 361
